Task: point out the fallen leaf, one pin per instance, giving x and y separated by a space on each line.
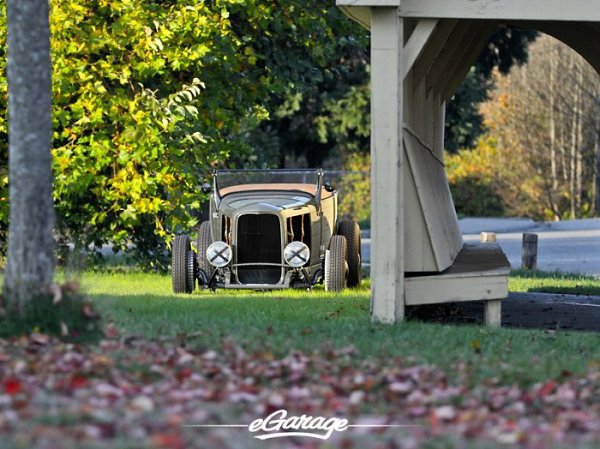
12 386
476 346
111 331
39 339
78 381
168 441
547 388
57 293
142 404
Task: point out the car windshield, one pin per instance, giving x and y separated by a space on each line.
230 178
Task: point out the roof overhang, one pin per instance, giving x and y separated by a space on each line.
562 10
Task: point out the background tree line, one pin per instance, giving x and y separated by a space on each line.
539 155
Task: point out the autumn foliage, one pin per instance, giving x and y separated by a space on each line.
539 154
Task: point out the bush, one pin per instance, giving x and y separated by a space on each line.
475 181
474 196
355 189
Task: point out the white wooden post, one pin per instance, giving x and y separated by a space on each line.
493 313
387 196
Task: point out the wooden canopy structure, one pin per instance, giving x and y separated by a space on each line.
421 50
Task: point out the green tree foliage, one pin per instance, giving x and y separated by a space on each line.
331 119
323 111
463 119
149 95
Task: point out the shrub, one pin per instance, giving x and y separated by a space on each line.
474 196
355 189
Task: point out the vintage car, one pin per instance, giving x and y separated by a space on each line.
269 229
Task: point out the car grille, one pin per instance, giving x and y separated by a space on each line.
259 241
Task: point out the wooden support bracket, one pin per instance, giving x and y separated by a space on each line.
417 42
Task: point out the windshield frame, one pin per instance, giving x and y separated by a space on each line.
316 174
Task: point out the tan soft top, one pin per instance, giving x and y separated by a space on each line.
311 189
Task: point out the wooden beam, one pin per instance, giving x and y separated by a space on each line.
479 273
433 49
459 35
422 290
387 159
568 10
460 47
439 122
367 3
417 42
435 199
457 74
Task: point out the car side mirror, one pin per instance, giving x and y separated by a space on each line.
328 187
207 188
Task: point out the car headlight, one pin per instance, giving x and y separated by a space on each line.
296 254
219 254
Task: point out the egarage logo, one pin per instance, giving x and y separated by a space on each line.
280 424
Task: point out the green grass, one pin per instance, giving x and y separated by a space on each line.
539 281
281 321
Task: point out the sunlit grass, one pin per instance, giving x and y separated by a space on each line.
539 281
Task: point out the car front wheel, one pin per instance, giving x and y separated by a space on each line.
183 265
202 243
336 267
349 228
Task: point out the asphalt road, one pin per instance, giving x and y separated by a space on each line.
567 246
564 251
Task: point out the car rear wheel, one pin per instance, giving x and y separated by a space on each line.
183 265
336 267
349 228
202 243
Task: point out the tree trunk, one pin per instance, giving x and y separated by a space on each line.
562 147
553 165
30 263
572 165
573 152
579 163
597 173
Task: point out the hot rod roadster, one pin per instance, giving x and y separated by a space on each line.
269 229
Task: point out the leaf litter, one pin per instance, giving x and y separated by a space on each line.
132 392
